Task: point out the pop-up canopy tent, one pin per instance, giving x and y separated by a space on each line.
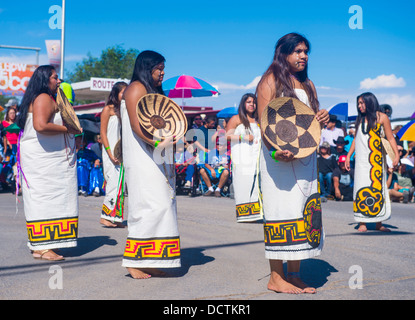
94 89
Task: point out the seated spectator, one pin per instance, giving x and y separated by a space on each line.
411 156
96 180
350 137
217 168
405 180
402 152
340 148
343 181
205 132
96 146
331 132
85 160
395 132
185 162
197 122
392 183
326 165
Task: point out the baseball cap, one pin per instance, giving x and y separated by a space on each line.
342 159
325 144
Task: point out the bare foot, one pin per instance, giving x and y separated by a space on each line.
362 228
382 228
145 273
109 224
279 285
296 281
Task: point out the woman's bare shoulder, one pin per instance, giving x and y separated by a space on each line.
135 88
44 100
233 122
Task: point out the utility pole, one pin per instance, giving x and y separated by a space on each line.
63 40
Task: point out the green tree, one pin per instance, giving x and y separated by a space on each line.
115 62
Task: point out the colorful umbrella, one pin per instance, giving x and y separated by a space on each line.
227 112
407 132
341 110
187 87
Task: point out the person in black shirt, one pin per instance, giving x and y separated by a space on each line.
339 150
343 181
326 164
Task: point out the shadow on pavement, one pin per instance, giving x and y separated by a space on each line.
315 272
86 245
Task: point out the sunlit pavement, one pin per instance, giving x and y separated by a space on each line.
221 259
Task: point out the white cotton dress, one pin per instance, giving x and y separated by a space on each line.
49 187
112 208
245 174
153 237
291 205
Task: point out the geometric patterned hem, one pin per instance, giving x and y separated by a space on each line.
379 218
111 219
175 263
52 245
160 250
273 253
246 212
49 234
113 215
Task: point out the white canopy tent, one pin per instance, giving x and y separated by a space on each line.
95 89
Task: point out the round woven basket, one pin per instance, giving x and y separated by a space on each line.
388 148
69 117
289 124
161 117
118 150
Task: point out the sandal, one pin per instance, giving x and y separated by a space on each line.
40 255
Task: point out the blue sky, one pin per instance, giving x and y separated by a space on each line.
230 43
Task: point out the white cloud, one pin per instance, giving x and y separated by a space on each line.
402 105
397 100
383 81
231 86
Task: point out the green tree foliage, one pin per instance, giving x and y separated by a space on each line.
115 62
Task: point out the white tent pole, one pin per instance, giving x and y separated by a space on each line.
63 40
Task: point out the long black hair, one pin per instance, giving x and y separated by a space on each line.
144 64
281 71
38 84
113 96
372 106
242 110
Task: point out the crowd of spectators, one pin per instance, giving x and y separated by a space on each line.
203 161
336 183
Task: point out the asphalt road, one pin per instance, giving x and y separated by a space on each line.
221 259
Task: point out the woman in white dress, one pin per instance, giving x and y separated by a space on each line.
243 132
47 163
112 208
371 202
288 186
153 240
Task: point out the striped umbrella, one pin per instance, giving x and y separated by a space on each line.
407 132
188 87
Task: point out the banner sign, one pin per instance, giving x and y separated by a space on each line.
104 84
53 48
14 78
